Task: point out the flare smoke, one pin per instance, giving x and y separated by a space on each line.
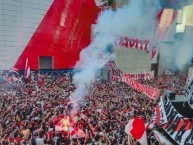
129 20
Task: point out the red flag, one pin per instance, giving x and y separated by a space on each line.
136 128
27 69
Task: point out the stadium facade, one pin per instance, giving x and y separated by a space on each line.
51 34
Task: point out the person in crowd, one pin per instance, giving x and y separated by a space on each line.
30 112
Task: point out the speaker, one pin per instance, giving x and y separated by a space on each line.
171 95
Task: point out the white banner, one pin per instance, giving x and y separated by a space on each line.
117 74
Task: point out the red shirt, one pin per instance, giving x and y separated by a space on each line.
124 110
41 83
18 140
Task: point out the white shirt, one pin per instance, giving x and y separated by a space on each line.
39 141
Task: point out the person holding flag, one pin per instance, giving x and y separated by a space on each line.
136 129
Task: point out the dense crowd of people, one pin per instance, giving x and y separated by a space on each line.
30 111
175 83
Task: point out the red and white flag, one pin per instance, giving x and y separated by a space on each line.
136 128
63 124
27 69
15 70
76 132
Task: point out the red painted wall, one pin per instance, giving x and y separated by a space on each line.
63 33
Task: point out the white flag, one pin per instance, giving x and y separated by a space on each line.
27 69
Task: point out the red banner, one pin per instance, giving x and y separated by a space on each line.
132 43
130 79
149 91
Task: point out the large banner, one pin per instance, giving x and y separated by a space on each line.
178 127
140 76
149 91
129 78
135 43
117 75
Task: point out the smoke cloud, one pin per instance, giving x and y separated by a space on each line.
130 20
184 56
179 55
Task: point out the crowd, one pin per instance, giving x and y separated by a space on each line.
30 111
168 82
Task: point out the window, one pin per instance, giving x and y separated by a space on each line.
45 62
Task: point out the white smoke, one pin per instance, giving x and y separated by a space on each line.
184 54
179 55
129 20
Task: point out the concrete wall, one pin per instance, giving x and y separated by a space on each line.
133 61
130 60
185 18
164 62
175 47
187 47
175 53
190 72
165 47
18 21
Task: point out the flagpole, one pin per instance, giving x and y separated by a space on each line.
129 141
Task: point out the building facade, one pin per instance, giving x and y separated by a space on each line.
18 21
